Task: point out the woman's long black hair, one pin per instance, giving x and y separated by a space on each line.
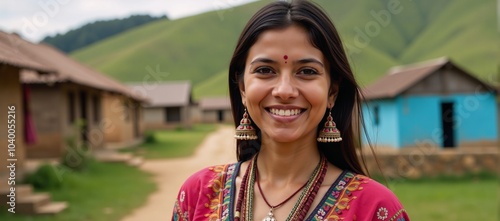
323 35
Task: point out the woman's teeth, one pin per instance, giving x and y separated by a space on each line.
288 112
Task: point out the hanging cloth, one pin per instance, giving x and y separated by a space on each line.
29 124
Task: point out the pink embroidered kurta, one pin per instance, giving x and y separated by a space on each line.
209 195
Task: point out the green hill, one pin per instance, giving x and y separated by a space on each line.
213 87
96 31
378 34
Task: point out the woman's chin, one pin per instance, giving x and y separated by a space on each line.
283 137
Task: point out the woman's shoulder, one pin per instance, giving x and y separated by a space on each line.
207 175
201 190
374 190
369 199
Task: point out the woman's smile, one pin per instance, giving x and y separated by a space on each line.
285 114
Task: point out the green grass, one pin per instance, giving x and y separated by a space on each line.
449 200
104 192
198 48
174 143
109 191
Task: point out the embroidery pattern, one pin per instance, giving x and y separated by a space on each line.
182 196
178 214
382 213
332 199
342 195
219 199
227 192
400 212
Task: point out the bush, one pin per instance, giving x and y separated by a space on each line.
45 177
179 128
77 155
150 137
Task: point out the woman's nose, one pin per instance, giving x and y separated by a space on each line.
285 87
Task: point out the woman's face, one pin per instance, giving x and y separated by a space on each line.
286 85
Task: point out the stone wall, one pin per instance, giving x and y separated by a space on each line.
417 162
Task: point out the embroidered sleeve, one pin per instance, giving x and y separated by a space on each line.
201 196
192 196
374 202
400 216
386 205
185 204
383 213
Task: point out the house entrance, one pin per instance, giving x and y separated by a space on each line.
136 120
84 117
448 124
220 115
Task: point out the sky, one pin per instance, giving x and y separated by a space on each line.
35 19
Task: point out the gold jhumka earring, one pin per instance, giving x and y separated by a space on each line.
329 133
245 131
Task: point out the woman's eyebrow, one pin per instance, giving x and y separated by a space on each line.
309 60
264 60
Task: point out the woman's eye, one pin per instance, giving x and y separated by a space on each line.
264 70
308 71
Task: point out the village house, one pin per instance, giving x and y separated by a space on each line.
76 104
433 103
17 130
123 119
216 110
12 62
169 104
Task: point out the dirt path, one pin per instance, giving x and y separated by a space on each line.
217 148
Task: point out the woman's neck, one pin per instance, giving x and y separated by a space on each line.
287 163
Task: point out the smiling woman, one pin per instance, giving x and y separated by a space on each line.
292 93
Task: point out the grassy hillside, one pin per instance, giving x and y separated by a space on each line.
198 48
194 48
214 86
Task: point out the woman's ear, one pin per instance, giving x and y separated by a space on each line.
332 96
241 86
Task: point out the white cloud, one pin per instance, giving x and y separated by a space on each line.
35 19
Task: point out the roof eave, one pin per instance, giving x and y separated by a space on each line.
43 71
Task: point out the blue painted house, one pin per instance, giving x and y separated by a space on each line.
433 103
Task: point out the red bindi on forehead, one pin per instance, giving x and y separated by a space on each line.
286 58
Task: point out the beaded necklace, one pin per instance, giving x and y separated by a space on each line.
244 205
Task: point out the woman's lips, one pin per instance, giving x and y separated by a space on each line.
285 114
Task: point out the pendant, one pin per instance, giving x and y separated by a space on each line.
270 216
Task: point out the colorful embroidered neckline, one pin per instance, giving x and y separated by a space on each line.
326 204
